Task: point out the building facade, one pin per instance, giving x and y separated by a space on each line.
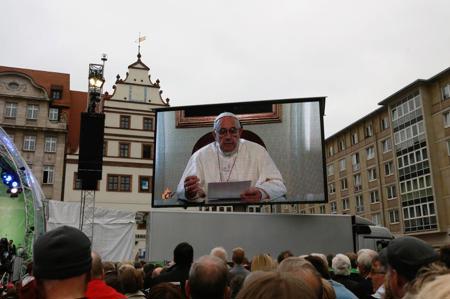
393 165
35 112
128 147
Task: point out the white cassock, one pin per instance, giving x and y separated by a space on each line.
251 162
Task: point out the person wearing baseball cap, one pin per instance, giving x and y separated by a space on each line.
405 256
62 263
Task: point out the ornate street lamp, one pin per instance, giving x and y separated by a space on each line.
96 81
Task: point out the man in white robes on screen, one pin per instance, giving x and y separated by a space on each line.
231 159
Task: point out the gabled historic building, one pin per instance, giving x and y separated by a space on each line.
36 108
128 146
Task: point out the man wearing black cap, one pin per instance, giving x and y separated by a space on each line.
62 262
405 256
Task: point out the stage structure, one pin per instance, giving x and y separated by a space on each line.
25 185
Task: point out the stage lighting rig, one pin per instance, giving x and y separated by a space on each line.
11 180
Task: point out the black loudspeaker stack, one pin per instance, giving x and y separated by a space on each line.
90 158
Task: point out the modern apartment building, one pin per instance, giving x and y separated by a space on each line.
393 165
36 108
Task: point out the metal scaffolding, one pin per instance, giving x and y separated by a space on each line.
87 209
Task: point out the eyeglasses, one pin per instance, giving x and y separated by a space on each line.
231 131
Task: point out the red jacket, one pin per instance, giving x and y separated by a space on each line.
98 289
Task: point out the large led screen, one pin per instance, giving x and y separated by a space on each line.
273 154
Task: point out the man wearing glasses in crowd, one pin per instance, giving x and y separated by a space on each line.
231 159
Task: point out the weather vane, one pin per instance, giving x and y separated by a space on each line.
139 41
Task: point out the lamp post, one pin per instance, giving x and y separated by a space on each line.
96 81
90 158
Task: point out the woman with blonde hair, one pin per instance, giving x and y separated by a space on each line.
262 262
276 285
436 289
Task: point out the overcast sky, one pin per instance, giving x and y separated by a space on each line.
354 52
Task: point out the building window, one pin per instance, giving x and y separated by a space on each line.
330 169
394 216
56 94
370 152
342 164
411 158
446 92
331 188
50 144
76 182
147 151
448 147
384 124
10 110
355 162
376 219
105 148
409 132
372 174
391 192
32 112
447 119
29 143
355 138
341 144
345 204
322 209
124 121
331 151
344 184
374 198
53 114
387 145
333 207
415 184
124 150
369 130
147 124
388 168
359 201
420 216
120 183
312 210
48 175
145 184
257 209
357 182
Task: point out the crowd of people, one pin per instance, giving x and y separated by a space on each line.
11 259
64 266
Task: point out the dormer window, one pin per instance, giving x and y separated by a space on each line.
56 92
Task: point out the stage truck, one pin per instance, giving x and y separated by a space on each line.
260 233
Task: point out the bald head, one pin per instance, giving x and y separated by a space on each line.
208 278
